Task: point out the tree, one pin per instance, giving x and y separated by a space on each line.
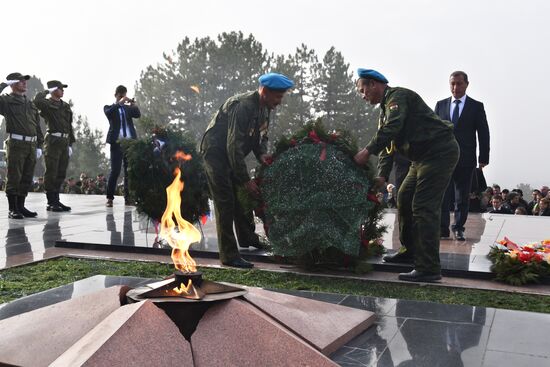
198 77
297 107
337 102
87 154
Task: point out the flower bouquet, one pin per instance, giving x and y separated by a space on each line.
516 264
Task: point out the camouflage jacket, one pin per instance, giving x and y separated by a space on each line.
21 115
238 128
57 114
406 125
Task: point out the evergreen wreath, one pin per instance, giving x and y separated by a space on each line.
317 204
150 171
518 265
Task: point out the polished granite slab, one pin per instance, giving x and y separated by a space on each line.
406 333
93 226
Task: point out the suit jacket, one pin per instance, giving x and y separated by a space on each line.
472 120
111 111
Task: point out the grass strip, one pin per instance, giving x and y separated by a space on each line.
25 280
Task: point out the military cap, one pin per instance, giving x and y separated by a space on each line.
18 76
277 82
56 84
371 74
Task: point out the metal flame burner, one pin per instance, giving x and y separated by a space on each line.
201 290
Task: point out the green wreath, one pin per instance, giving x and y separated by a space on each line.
317 205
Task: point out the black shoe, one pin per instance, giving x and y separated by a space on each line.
15 215
239 263
13 209
459 235
21 205
64 208
54 208
399 257
419 276
445 234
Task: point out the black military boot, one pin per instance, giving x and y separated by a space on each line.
64 207
53 205
21 205
13 208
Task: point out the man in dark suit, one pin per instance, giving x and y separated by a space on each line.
468 117
121 126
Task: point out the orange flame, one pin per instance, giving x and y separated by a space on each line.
185 234
182 289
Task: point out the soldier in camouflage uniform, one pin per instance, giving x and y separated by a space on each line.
58 141
24 143
410 127
238 128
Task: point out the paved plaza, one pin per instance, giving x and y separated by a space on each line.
453 335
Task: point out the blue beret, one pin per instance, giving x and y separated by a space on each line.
371 74
276 81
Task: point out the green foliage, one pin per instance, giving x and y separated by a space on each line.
25 280
219 68
515 272
317 198
230 64
87 155
149 174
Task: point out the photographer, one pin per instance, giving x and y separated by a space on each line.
121 126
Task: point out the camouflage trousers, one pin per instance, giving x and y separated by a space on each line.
56 157
419 204
228 210
21 159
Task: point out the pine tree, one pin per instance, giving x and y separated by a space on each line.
88 156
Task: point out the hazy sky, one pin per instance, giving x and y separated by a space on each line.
502 45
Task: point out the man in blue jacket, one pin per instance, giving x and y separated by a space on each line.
121 126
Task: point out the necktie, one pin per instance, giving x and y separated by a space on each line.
123 121
454 118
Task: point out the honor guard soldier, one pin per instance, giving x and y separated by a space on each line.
57 142
238 128
408 126
23 144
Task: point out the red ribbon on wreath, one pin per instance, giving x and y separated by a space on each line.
316 140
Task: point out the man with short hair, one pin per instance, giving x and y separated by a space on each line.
24 143
121 126
499 207
238 128
408 126
58 141
544 191
468 118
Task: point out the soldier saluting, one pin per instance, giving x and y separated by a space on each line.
24 143
58 140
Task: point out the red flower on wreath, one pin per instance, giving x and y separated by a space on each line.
292 142
372 197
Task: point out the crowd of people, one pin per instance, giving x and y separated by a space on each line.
85 184
505 201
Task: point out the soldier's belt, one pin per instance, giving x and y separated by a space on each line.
59 135
22 137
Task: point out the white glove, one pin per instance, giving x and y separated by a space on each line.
11 82
52 89
38 153
70 151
